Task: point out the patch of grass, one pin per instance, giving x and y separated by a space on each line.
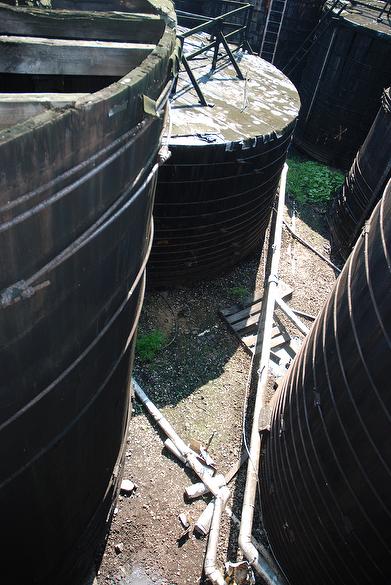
239 293
312 182
149 344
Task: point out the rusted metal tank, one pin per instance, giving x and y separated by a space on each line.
364 183
347 69
215 193
77 179
326 470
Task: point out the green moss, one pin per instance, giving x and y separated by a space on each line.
239 293
149 344
312 182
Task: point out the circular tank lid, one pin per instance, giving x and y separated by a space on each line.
364 14
263 104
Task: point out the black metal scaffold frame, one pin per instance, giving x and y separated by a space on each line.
216 26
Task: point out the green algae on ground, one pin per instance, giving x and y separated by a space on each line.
239 293
312 182
149 344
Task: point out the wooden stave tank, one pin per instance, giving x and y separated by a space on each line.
364 184
325 473
346 72
69 306
196 235
300 19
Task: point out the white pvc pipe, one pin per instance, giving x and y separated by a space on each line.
189 455
196 490
211 571
212 483
257 561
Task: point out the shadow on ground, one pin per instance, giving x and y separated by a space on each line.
197 344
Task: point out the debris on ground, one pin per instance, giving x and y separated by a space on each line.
239 573
127 487
199 384
119 547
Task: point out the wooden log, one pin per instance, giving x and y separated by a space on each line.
18 107
77 24
42 56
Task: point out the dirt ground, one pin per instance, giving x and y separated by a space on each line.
199 381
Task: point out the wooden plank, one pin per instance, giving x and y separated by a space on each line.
253 306
250 340
244 313
292 316
303 314
18 107
244 324
279 340
235 468
42 56
78 24
98 5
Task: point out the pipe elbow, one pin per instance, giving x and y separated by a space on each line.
247 547
214 576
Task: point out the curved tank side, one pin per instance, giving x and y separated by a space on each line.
299 19
215 194
76 196
347 69
326 470
364 184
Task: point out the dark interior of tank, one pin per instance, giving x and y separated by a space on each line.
19 83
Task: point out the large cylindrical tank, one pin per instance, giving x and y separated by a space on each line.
288 24
76 194
326 470
215 193
364 183
347 69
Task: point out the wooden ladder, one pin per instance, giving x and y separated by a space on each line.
272 31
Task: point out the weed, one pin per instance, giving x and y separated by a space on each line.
149 344
239 293
312 182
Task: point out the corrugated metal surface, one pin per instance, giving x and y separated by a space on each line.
347 70
215 193
326 471
76 194
364 183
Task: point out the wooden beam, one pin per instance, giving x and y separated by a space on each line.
42 56
78 24
18 107
98 5
291 315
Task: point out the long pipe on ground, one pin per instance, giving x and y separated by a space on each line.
190 456
222 493
212 572
263 346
